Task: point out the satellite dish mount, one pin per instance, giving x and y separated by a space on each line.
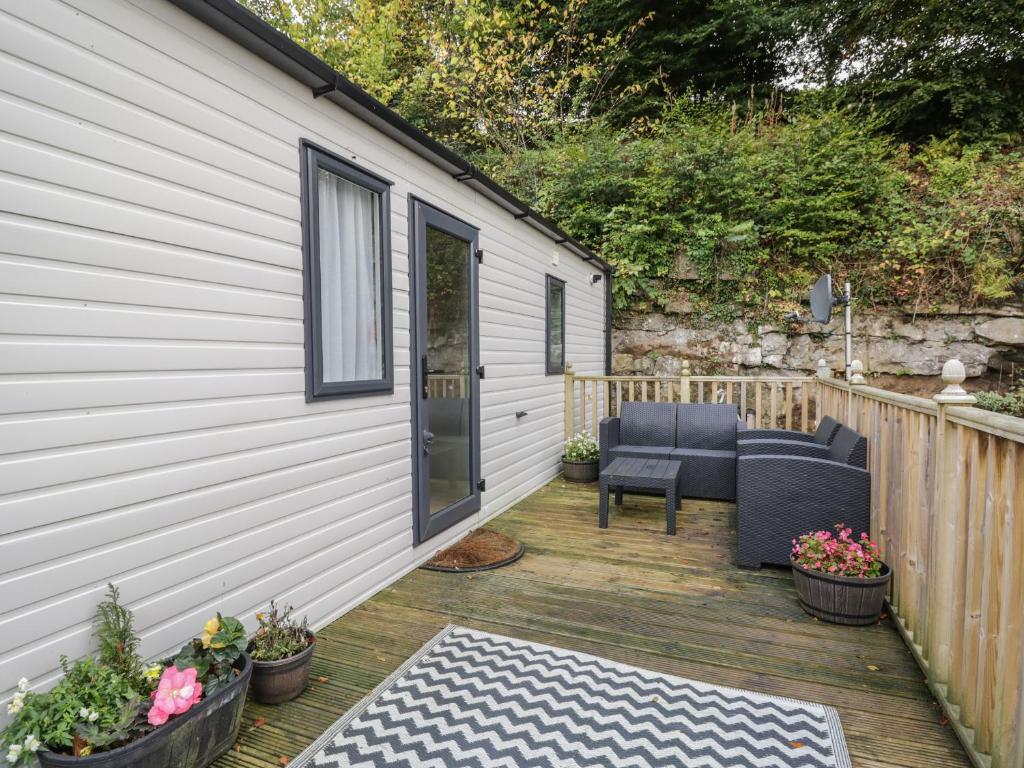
822 302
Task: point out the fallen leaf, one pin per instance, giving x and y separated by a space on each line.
381 658
282 760
259 722
796 744
943 721
872 667
321 679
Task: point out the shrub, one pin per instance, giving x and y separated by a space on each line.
582 447
279 636
1012 403
839 555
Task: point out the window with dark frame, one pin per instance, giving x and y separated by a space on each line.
347 274
554 326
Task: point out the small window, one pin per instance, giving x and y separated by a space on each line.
347 261
554 326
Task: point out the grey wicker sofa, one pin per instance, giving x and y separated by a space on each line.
770 441
701 436
782 494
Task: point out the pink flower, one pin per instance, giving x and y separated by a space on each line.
175 694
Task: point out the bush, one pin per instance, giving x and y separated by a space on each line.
1012 403
582 447
279 636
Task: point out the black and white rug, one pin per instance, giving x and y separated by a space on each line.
470 698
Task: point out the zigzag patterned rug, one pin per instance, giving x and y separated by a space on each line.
470 698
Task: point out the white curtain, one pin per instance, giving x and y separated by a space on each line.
350 292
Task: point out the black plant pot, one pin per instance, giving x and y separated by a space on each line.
841 599
579 471
192 740
274 682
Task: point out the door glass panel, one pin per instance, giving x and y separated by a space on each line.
448 359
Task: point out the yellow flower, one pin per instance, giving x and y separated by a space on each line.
152 674
259 617
211 628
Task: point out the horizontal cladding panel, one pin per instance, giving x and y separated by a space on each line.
34 355
70 318
154 563
39 125
91 533
62 169
81 101
38 277
67 244
67 502
38 200
35 35
41 469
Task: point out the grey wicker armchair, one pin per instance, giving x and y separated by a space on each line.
780 496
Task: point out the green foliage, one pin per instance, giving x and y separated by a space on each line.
744 211
215 653
924 68
115 633
582 447
1011 403
279 636
90 699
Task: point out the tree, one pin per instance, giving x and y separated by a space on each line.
927 68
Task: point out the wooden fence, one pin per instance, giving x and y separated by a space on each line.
947 507
947 482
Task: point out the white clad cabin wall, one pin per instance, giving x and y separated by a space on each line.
153 428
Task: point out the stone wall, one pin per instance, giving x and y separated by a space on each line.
887 340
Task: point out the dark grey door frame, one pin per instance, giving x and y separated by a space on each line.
421 215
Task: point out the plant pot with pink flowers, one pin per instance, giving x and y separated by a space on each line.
113 711
838 578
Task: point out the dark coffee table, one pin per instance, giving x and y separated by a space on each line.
645 475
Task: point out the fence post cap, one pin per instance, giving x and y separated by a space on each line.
953 375
568 367
824 372
685 367
857 372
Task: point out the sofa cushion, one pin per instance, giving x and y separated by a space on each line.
849 447
680 454
706 425
648 424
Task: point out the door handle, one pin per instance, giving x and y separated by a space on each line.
424 374
428 440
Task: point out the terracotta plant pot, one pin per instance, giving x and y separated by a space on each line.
841 599
579 471
274 682
192 740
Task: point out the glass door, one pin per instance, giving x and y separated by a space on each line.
446 414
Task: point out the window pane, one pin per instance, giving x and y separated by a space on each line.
350 284
556 308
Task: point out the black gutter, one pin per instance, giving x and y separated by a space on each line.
253 33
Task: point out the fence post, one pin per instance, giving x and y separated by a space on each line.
684 382
947 517
570 399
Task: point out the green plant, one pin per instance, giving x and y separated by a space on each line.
582 447
85 712
214 654
115 633
1012 403
279 636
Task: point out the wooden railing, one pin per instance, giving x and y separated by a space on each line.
947 509
765 401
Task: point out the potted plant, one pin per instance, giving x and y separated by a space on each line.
112 711
281 650
579 458
838 578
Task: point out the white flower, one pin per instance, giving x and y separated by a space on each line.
83 712
94 716
23 685
14 753
16 704
32 744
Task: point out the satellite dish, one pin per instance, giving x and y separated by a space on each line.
822 299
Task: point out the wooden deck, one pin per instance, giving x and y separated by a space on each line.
632 594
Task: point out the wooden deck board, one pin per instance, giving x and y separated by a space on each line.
629 593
